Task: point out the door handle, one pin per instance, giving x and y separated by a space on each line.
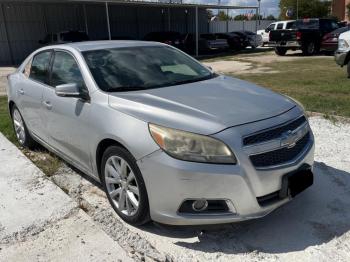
21 91
48 105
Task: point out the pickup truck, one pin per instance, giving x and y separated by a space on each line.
279 25
342 55
305 35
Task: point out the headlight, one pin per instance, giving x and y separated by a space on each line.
191 147
343 44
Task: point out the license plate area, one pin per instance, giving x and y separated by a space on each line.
296 182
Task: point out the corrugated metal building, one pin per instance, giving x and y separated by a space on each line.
24 23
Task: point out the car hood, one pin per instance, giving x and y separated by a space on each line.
205 107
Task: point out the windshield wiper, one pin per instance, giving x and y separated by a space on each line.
193 80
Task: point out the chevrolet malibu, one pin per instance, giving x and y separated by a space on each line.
170 140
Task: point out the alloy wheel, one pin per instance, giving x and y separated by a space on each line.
19 126
122 186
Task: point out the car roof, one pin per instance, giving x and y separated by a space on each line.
97 45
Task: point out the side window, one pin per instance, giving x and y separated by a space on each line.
40 65
27 68
279 26
65 70
290 25
270 28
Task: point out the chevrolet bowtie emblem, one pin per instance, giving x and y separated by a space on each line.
289 139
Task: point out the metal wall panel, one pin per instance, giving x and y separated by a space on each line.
61 17
29 22
5 57
97 21
25 27
220 26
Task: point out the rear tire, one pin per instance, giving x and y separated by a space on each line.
19 126
309 49
281 51
124 186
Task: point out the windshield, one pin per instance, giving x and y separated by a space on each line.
146 67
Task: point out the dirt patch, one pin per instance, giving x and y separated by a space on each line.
238 67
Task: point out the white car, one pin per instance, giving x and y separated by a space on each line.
342 55
265 34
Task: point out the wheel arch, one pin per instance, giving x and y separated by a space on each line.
347 59
101 148
10 107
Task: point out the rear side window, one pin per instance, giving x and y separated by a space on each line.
308 24
40 65
290 25
279 26
65 70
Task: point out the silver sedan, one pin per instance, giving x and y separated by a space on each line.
170 140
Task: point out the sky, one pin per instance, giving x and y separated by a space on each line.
268 7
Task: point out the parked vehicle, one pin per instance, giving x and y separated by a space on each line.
280 25
206 43
306 35
64 37
166 37
234 41
330 40
250 39
168 139
342 55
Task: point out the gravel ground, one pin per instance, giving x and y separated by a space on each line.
313 227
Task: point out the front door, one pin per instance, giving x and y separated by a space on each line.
68 117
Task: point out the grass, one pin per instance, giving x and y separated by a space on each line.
5 121
318 83
44 160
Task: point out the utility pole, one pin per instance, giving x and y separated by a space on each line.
259 12
297 9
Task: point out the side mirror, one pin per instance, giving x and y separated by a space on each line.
267 30
68 90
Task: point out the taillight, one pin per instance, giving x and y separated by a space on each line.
299 35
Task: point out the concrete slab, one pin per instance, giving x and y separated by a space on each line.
39 222
28 200
76 238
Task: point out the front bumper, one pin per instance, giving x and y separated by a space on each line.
170 182
340 57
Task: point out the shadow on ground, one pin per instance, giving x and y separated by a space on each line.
317 216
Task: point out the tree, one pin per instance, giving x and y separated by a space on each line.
254 17
307 9
223 16
270 17
240 18
210 13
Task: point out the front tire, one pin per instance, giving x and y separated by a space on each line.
124 186
22 134
348 67
281 51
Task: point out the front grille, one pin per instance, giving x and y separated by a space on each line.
273 133
280 156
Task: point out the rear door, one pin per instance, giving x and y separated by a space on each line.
35 79
68 117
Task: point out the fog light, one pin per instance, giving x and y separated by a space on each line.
200 205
